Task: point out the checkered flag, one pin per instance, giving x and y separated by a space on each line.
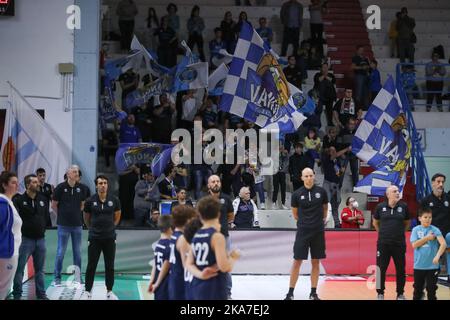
257 90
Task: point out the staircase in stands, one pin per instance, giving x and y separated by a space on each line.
345 28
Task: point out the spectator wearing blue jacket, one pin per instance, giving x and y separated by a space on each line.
375 79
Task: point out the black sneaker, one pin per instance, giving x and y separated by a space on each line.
314 296
289 297
42 298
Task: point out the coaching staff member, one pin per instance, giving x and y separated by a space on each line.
439 203
391 220
101 215
310 208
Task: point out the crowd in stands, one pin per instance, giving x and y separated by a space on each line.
326 149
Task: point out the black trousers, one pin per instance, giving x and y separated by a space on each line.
279 181
428 276
434 86
95 248
290 35
126 33
127 182
297 184
196 39
316 31
328 111
384 254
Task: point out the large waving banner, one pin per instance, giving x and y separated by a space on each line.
257 90
383 141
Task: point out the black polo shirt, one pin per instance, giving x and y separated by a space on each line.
440 209
310 207
102 216
69 203
33 213
392 228
46 191
226 206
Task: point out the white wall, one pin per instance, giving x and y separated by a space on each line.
33 42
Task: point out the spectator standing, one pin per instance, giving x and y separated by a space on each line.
329 140
333 171
435 72
173 20
110 143
162 124
291 16
167 188
315 58
146 197
168 44
127 183
129 82
126 11
195 27
153 26
129 133
143 119
360 67
245 210
10 232
215 45
344 109
190 108
264 31
32 208
227 26
344 140
351 217
375 80
293 73
237 28
182 199
406 36
316 8
324 83
313 147
68 203
279 179
297 162
393 36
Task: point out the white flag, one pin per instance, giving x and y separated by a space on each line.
29 143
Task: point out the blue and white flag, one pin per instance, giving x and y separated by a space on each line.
223 57
150 58
257 90
114 68
190 77
216 80
30 143
383 141
130 154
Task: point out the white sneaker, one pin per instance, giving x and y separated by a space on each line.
284 207
111 296
86 296
401 297
380 297
263 206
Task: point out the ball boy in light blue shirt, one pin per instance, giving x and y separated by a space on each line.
429 245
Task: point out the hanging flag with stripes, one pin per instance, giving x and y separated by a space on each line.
257 90
216 80
30 143
383 141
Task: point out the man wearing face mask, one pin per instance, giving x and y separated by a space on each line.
439 203
351 217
